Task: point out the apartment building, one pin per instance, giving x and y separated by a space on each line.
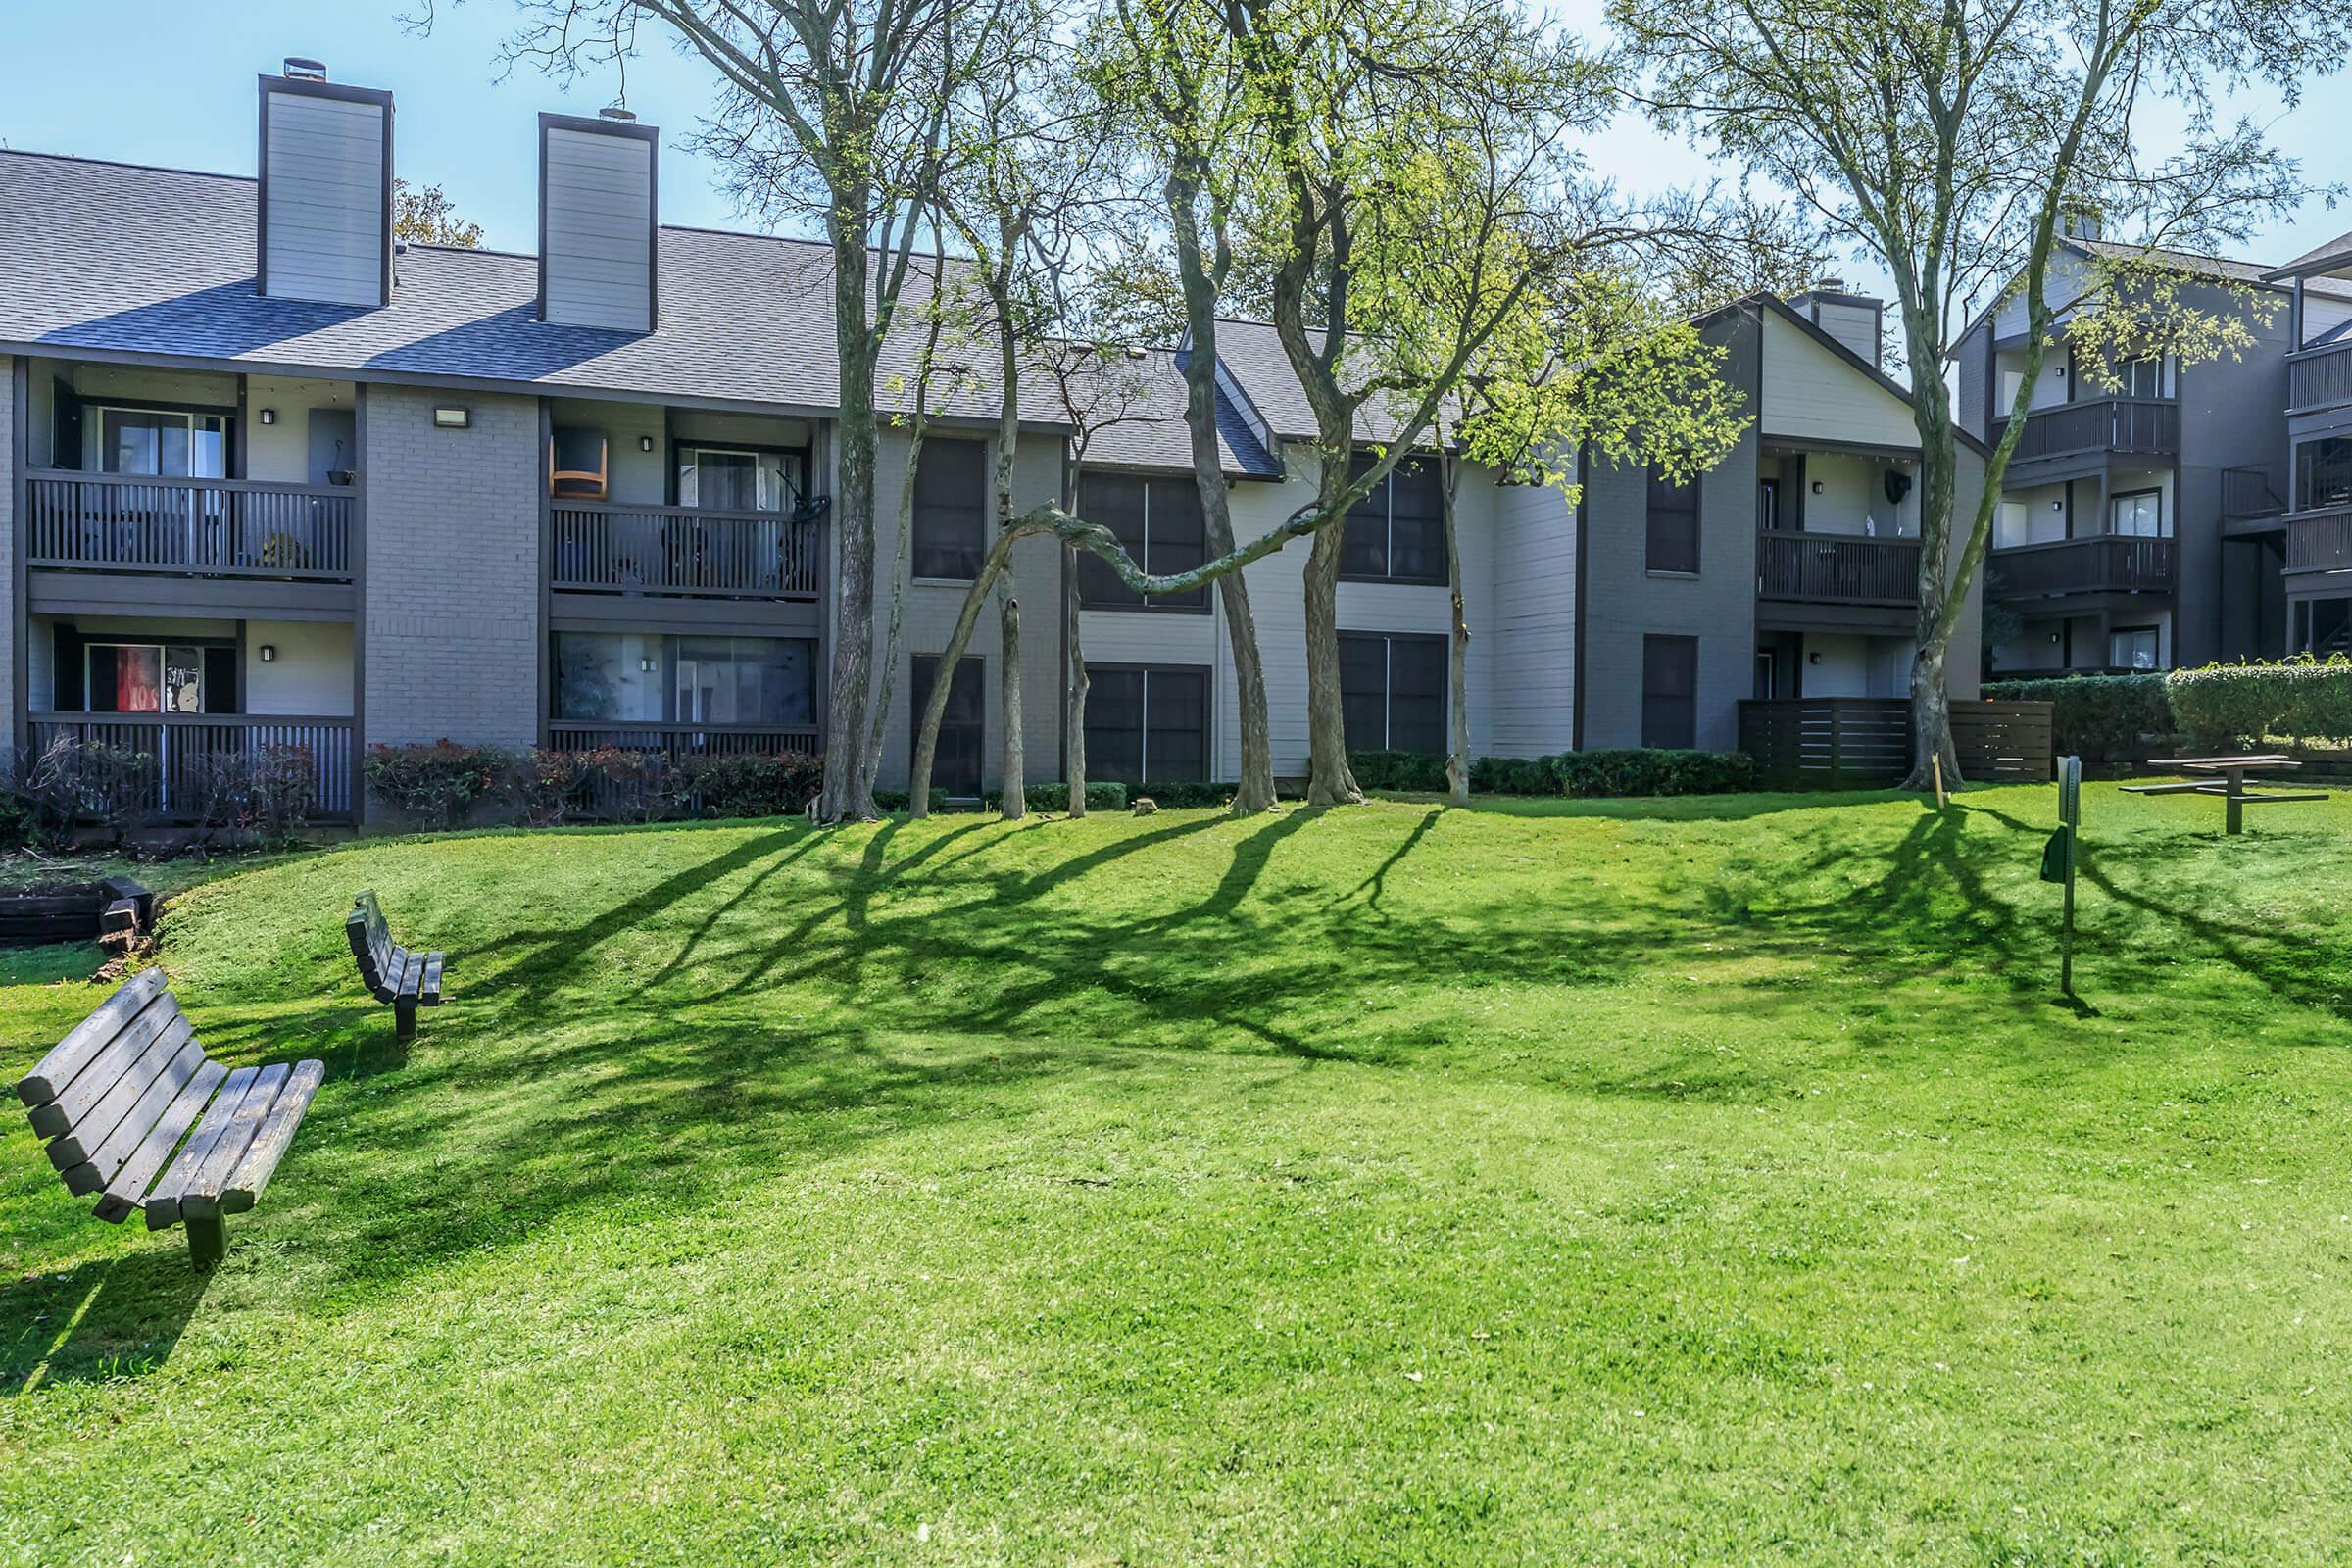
271 477
2148 526
2317 521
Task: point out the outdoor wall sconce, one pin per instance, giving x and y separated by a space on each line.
1817 487
1813 658
268 653
645 443
648 665
268 416
2057 505
452 418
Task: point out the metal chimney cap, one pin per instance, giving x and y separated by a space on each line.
300 68
621 112
1829 286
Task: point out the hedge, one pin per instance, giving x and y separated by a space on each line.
1416 771
1055 797
445 784
2220 706
1601 775
2096 715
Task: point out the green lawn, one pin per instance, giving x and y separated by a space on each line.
1644 1183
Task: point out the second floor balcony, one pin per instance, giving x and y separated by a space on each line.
2321 377
155 524
601 547
2101 563
2095 427
1836 568
2320 541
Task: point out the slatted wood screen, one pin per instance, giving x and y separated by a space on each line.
1850 743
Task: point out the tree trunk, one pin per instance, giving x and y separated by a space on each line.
1074 709
1457 652
1329 781
1014 784
1932 720
847 796
935 707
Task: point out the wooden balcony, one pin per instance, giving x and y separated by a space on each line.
2320 541
2106 564
606 548
2131 426
187 527
176 743
2318 378
1836 568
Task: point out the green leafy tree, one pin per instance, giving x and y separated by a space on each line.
423 215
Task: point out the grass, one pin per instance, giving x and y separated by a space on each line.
1640 1182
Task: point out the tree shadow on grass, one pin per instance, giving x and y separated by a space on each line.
107 1318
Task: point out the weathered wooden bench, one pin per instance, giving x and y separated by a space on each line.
391 972
117 1094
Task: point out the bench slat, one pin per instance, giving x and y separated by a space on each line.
411 976
244 1188
163 1203
430 993
54 1071
140 1120
128 1189
91 1085
200 1196
72 1147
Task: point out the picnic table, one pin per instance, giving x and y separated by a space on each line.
2225 777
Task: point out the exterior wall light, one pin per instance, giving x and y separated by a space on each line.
268 416
268 653
645 443
452 418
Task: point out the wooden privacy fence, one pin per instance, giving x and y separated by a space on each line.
1864 743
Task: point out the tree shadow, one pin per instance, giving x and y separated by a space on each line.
107 1318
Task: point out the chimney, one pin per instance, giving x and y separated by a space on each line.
599 221
1851 319
2082 221
325 228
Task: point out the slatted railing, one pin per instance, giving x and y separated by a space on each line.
1840 743
1836 568
187 527
2247 492
2105 564
601 547
684 739
2318 377
2144 425
2319 543
177 742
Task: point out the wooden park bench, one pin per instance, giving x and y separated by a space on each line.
117 1094
391 972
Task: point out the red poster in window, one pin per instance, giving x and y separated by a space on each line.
138 680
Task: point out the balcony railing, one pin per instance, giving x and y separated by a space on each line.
178 744
2318 377
1836 568
2106 564
187 527
2247 492
601 547
2320 541
2150 426
683 740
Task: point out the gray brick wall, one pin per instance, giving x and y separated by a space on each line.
11 633
453 569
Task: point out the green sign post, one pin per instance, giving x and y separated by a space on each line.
2058 859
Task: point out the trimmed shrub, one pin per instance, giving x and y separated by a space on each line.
2300 699
1055 797
753 784
1179 797
1652 770
1514 776
2104 718
1416 771
74 782
438 784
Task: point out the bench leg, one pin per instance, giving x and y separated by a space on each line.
403 1021
208 1240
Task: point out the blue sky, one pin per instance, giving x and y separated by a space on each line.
174 85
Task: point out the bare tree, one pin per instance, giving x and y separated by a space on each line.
1948 140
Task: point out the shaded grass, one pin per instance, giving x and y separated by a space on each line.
1630 1182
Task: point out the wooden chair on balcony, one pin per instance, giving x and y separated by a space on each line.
117 1094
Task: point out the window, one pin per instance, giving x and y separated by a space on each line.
1159 523
648 678
2140 379
742 478
2132 648
1147 724
2324 473
956 765
1669 691
157 678
1673 525
1397 533
1393 691
2139 513
164 442
950 510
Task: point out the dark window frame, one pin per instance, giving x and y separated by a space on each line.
1653 515
1145 777
1092 592
680 445
2155 636
2163 517
953 555
1378 508
1669 715
1387 695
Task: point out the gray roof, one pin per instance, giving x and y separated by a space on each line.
1254 354
156 262
2224 268
2337 253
